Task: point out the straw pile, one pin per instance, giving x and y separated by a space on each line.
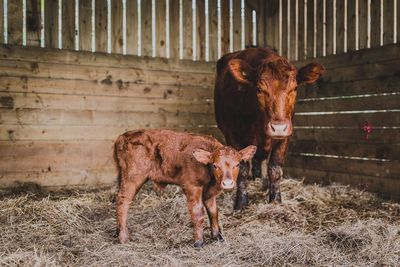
332 225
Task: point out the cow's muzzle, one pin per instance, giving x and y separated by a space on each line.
279 129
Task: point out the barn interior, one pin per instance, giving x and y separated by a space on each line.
77 73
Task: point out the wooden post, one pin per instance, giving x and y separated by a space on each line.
68 24
201 30
261 33
1 21
351 25
340 27
213 15
146 28
174 28
301 43
271 23
85 25
160 29
50 24
32 22
376 22
131 27
236 25
101 25
363 22
187 29
116 27
388 21
15 22
225 26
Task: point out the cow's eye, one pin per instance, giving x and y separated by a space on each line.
258 90
215 166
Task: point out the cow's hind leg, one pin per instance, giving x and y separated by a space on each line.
128 189
242 200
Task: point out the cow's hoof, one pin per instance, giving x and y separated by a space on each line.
275 199
198 244
218 237
241 203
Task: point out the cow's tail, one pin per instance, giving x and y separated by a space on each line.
118 147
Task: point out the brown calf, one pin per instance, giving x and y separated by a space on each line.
201 165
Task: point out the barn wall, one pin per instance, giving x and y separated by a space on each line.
60 111
330 142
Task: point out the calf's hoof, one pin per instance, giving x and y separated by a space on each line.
218 237
198 244
123 236
241 202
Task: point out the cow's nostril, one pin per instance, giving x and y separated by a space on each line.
272 127
285 128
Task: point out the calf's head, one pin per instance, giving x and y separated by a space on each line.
224 163
274 83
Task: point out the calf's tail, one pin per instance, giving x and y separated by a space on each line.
118 148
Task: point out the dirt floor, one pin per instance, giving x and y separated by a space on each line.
315 226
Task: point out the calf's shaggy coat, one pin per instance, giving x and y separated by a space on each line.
201 165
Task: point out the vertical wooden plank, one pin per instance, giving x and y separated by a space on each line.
398 21
363 23
236 25
50 24
284 51
116 28
301 43
225 26
213 15
131 27
85 25
146 28
201 28
174 28
160 29
187 29
311 46
340 27
375 22
292 25
261 23
329 27
15 22
1 22
388 21
32 23
271 31
320 41
68 24
351 25
248 25
101 25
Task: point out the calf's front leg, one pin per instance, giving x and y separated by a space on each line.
196 209
212 211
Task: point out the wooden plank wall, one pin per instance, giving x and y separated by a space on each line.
327 27
60 110
330 143
142 20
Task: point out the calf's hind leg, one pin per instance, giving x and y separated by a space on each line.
126 193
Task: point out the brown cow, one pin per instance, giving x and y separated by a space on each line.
255 94
201 165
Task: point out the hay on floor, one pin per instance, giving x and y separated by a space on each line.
333 225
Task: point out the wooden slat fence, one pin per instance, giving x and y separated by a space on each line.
185 29
359 91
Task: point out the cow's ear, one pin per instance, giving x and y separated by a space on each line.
202 156
241 71
247 153
310 73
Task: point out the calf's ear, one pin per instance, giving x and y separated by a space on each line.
310 73
202 156
247 153
241 71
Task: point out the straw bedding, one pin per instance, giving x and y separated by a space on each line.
332 225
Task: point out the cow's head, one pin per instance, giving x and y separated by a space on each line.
224 163
275 84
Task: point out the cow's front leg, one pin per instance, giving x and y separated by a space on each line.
275 172
242 200
196 209
212 211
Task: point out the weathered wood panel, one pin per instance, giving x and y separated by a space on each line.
85 25
101 25
131 27
32 22
147 48
15 22
68 25
60 111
